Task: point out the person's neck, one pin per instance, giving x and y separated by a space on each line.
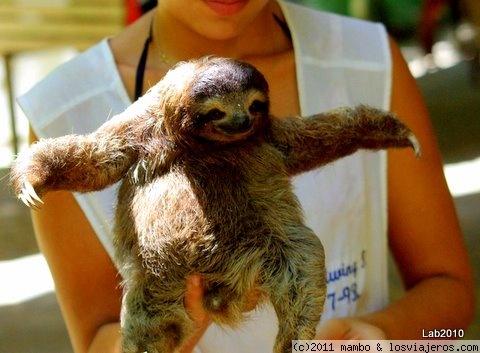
262 37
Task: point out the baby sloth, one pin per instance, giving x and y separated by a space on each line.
205 189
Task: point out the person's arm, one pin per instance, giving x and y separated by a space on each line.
87 284
424 235
107 339
86 281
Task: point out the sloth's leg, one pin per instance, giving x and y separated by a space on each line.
154 325
298 290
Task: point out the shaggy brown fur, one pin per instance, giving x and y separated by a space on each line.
206 190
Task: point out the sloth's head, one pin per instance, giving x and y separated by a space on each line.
214 99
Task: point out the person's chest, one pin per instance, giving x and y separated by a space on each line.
281 76
279 71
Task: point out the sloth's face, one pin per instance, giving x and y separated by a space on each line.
231 101
231 117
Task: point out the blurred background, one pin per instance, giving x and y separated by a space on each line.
439 38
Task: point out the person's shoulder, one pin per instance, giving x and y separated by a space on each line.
311 13
308 21
329 37
69 79
89 74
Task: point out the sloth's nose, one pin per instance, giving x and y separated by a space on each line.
241 122
236 123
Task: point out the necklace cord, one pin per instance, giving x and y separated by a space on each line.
140 73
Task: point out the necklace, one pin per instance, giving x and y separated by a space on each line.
156 42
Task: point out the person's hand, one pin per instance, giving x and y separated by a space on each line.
349 329
193 302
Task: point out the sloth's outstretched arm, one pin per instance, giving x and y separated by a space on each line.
313 141
80 163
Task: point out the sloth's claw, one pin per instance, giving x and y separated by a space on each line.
22 198
415 145
32 192
29 196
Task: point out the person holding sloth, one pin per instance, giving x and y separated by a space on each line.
359 206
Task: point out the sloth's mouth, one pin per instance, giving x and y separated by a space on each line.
236 134
236 130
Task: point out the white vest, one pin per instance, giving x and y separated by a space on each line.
339 61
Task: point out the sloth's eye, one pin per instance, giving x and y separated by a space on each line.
258 106
214 114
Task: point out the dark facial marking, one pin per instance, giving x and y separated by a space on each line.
214 114
258 107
